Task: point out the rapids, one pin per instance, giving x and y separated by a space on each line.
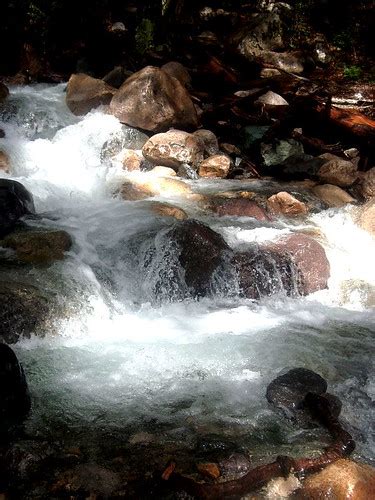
128 372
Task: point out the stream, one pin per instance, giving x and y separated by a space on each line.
138 376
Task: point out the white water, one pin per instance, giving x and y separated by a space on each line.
181 371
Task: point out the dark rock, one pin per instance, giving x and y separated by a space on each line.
116 77
178 71
85 93
2 133
15 202
27 458
15 400
4 92
236 464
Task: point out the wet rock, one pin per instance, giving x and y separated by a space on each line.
215 166
274 154
343 479
333 196
288 391
357 292
286 204
174 148
272 99
85 93
367 184
262 273
162 172
209 139
24 311
209 470
4 162
38 247
366 217
152 100
310 258
236 464
4 92
15 402
178 71
167 210
126 138
240 207
116 77
337 171
15 202
130 159
152 185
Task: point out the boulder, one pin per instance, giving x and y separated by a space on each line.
173 149
366 217
85 93
116 77
215 166
24 311
310 258
280 150
271 99
178 71
209 139
152 100
125 138
38 247
162 172
367 184
240 207
166 210
4 92
284 61
4 162
15 202
337 171
343 479
149 186
131 160
286 204
15 402
332 195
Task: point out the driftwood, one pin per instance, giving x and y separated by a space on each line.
342 446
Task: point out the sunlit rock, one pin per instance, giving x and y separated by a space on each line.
152 100
131 160
4 162
167 210
215 166
174 148
337 171
343 479
281 487
85 93
178 71
148 186
160 171
286 204
332 195
15 202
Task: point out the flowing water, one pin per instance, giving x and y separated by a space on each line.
151 373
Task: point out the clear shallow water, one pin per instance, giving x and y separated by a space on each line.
184 371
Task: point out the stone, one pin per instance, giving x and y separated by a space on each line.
85 93
4 92
159 171
310 258
116 77
215 166
130 159
286 204
15 402
272 99
174 148
4 162
15 202
367 184
270 73
38 247
332 195
151 185
337 171
166 210
125 138
152 100
209 470
284 61
366 217
343 479
276 153
209 139
178 71
240 207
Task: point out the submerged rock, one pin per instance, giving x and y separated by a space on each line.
85 93
15 202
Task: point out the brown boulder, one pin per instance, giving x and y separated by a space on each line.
342 480
209 139
332 195
286 204
240 207
4 91
337 171
4 162
173 148
152 100
178 71
85 93
215 166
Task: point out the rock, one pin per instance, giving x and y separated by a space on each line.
38 247
27 458
274 154
253 134
367 184
286 204
357 292
209 469
116 77
337 171
167 210
209 139
85 93
130 159
178 71
174 148
152 100
309 257
240 207
4 162
230 149
289 391
272 99
4 92
24 311
284 61
343 479
366 217
15 402
270 73
126 138
298 166
215 166
262 273
265 32
152 185
237 463
162 172
333 196
15 202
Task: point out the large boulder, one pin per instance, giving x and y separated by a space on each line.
85 93
4 92
15 202
337 171
286 204
15 402
343 479
173 149
153 100
215 166
310 258
209 139
178 71
332 195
